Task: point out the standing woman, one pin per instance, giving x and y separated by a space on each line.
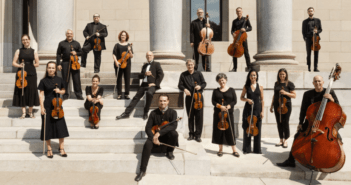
227 94
55 128
288 92
30 97
119 48
254 94
94 96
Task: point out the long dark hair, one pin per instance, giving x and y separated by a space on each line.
46 70
248 81
286 78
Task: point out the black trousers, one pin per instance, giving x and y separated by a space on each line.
246 54
203 59
170 138
75 77
150 91
283 126
126 73
97 56
195 118
257 140
309 43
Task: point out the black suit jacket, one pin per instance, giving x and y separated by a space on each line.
156 71
88 31
195 29
305 30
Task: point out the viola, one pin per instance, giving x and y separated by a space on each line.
57 111
21 81
74 61
164 124
197 99
252 120
315 46
206 47
124 58
318 147
94 118
282 109
236 49
223 123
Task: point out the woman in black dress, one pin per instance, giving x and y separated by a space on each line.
119 48
94 96
227 136
30 97
54 128
288 92
254 95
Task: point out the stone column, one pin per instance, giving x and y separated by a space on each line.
54 17
166 33
274 35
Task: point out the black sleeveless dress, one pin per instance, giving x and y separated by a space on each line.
30 97
117 51
255 96
55 128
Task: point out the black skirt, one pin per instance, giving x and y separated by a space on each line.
30 97
226 137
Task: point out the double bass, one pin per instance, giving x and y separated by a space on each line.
206 47
236 49
319 148
315 40
57 111
21 82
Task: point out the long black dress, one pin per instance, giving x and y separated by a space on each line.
283 127
257 108
226 137
30 97
117 51
88 103
55 128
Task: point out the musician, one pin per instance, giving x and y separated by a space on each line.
227 94
30 97
119 48
254 94
309 97
89 30
308 28
167 135
152 75
288 92
238 24
64 52
195 38
94 97
54 128
187 84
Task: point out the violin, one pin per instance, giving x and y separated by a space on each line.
252 120
164 124
74 61
97 40
94 118
57 111
318 147
206 47
223 123
124 58
236 49
21 81
315 46
197 100
283 109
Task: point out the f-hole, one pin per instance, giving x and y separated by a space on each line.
329 139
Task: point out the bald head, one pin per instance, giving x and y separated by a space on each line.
318 83
149 56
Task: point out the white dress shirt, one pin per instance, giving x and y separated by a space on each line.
147 69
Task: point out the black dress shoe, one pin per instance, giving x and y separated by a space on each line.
170 155
316 70
191 137
79 97
233 70
236 154
286 163
65 97
247 152
123 116
126 97
139 176
145 116
309 69
198 139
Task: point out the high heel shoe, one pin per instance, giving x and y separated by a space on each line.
62 155
50 156
23 116
119 97
31 115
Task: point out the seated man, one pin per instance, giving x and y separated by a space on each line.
167 135
152 75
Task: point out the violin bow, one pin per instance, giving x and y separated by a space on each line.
97 31
230 126
248 134
178 148
114 91
23 77
44 133
191 105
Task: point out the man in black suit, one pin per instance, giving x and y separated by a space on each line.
89 30
152 75
195 38
308 29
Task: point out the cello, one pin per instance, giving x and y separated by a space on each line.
57 111
206 47
223 123
124 57
252 120
315 39
318 147
21 82
236 49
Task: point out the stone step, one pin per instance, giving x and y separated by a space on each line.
108 81
89 75
8 94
